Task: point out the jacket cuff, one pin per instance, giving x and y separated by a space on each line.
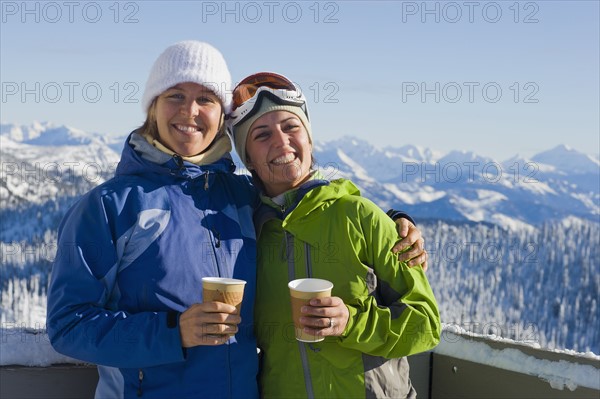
395 215
172 319
352 314
173 322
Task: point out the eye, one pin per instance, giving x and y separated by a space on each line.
291 127
175 96
261 135
205 100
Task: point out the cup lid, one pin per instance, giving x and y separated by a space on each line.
310 285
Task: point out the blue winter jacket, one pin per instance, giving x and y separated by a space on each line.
131 256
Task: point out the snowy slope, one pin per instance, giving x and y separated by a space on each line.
43 162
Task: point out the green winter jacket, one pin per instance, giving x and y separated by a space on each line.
335 234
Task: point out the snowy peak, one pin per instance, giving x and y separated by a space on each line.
464 157
43 162
413 153
566 159
24 133
49 134
462 185
353 146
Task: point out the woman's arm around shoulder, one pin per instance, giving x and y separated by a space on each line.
400 317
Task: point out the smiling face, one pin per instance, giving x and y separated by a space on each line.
279 151
188 118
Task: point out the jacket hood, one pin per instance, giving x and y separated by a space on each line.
320 198
140 157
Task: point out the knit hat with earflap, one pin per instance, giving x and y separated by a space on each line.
189 61
240 132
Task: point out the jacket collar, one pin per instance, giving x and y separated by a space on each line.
140 157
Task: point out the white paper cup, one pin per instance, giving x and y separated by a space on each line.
301 292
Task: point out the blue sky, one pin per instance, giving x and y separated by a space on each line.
497 78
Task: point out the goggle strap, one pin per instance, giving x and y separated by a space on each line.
256 101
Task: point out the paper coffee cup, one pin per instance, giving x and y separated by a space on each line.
220 289
301 292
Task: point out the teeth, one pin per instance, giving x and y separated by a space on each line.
284 159
187 129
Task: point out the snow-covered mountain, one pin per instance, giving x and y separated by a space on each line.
513 245
44 162
463 186
456 186
50 134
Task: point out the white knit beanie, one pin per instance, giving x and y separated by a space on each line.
189 61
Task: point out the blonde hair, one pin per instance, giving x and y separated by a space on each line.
150 127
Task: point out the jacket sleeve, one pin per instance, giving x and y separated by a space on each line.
400 317
81 322
395 215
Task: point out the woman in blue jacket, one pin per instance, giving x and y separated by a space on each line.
125 291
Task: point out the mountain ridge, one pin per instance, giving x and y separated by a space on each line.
459 185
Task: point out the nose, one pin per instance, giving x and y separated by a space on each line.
280 138
189 108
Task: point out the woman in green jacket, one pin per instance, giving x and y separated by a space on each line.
380 310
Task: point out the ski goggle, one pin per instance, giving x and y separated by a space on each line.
248 95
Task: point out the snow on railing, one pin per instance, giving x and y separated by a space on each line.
511 355
28 347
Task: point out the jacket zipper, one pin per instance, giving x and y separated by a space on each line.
206 181
179 161
217 238
289 239
140 379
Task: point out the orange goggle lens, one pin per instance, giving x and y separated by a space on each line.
247 88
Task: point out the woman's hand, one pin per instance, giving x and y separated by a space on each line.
210 323
325 317
410 237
